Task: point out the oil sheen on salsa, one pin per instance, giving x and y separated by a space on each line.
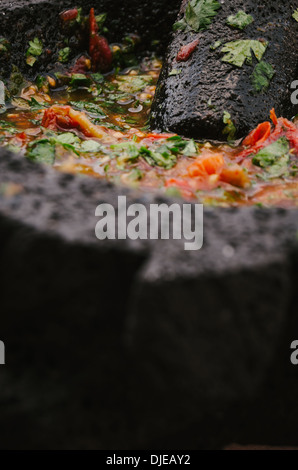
97 125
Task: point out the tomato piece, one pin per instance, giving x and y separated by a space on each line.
99 49
273 117
69 15
154 136
186 51
235 175
206 165
258 135
65 118
57 117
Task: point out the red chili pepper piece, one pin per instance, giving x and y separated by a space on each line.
99 50
263 136
186 51
273 117
69 15
258 135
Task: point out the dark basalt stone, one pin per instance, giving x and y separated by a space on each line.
122 344
151 20
193 102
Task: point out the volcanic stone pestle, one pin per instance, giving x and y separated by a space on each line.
205 91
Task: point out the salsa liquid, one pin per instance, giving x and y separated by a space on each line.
46 121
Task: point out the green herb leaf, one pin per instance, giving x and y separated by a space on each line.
190 148
133 84
280 167
30 60
230 129
127 150
135 175
215 45
295 15
79 80
175 72
262 76
240 20
79 17
97 77
274 158
4 45
161 157
16 81
35 47
198 15
41 82
239 52
100 20
67 138
90 146
34 51
64 55
42 152
210 105
91 108
8 127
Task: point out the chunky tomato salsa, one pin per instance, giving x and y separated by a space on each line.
91 117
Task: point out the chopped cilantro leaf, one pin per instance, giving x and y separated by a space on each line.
64 55
275 155
198 15
90 146
175 72
97 77
239 52
35 47
215 45
100 20
262 76
4 45
240 20
79 79
41 82
67 138
34 51
230 129
43 152
127 150
133 84
91 108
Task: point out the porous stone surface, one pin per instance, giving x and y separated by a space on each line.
140 344
151 20
192 102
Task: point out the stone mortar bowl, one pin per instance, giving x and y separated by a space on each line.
122 344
